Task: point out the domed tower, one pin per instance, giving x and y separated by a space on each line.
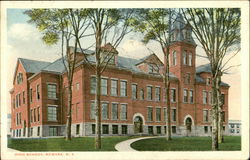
182 65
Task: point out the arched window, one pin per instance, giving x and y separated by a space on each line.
174 58
184 55
190 59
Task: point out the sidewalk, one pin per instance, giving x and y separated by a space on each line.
12 150
125 145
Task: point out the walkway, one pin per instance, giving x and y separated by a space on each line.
124 146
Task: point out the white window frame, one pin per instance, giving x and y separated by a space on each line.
51 83
55 106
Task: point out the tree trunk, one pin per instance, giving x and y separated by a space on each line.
220 112
98 111
167 85
69 114
214 116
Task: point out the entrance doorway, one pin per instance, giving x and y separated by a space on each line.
188 125
138 124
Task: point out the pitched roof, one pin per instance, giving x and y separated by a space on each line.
33 66
206 68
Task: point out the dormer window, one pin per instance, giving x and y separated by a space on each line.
208 81
19 78
153 69
108 57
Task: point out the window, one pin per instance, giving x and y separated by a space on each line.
134 91
23 97
13 103
173 129
19 78
157 93
185 96
92 110
31 131
238 126
238 131
184 58
38 114
31 115
223 98
51 91
205 129
210 97
114 129
150 130
24 131
187 78
93 128
108 58
123 112
77 111
205 115
18 100
77 86
142 94
174 115
165 114
53 131
93 85
158 129
223 116
123 88
114 111
38 131
150 69
31 95
104 86
150 114
105 129
190 59
52 113
208 81
17 119
232 130
232 125
105 111
124 129
174 58
114 91
173 95
77 128
34 114
149 92
158 114
165 129
38 92
191 96
204 97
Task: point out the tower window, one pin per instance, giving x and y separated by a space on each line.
184 58
174 58
190 59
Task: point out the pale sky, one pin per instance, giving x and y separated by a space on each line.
24 41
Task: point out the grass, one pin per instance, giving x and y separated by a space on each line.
59 144
232 143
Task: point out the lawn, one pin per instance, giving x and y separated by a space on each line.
59 144
232 143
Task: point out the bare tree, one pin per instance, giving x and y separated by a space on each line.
218 31
155 24
56 23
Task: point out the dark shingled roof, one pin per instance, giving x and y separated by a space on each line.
33 66
206 68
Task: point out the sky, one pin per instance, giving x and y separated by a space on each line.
24 41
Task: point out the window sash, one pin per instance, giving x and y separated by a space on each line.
205 115
204 97
173 95
114 84
104 86
185 96
158 114
123 88
123 112
165 114
93 85
150 114
92 111
190 59
51 91
52 113
174 58
104 111
114 111
134 91
191 96
173 114
149 93
158 93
